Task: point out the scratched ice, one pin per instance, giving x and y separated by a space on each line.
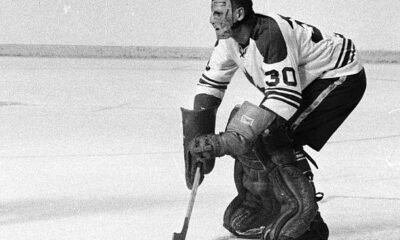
92 149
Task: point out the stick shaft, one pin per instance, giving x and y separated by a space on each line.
193 193
182 234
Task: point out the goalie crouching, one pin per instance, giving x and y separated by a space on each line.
310 81
275 199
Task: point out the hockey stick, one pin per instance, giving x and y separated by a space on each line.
182 234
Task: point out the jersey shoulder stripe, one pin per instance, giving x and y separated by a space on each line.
269 39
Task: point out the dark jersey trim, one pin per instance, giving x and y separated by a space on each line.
348 52
353 53
213 81
341 53
269 39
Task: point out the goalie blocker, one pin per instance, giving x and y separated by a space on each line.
196 123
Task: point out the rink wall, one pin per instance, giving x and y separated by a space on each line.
142 52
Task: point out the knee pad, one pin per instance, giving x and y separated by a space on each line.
251 209
245 219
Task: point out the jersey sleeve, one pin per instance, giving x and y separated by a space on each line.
280 66
218 72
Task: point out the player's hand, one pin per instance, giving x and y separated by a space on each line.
204 149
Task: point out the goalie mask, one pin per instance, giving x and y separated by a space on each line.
225 18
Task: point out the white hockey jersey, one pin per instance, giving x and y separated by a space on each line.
282 58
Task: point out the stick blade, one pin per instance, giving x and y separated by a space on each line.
182 234
178 236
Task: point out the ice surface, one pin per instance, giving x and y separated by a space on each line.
92 149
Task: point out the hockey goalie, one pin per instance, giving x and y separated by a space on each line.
310 82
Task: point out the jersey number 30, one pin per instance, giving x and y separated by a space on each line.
288 77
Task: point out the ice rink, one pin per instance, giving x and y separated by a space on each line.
92 149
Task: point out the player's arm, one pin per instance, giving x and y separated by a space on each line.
215 78
246 123
282 99
201 120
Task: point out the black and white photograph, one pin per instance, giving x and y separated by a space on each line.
199 120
